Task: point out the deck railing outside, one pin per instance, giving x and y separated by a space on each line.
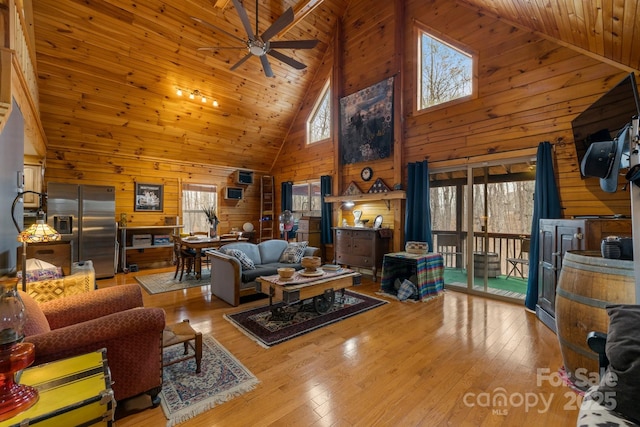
453 246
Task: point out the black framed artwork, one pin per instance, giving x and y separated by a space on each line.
148 197
366 123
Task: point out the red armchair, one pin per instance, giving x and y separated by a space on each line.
113 318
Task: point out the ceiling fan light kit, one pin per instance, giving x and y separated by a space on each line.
261 45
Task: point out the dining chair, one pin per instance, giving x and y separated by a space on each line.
204 260
184 259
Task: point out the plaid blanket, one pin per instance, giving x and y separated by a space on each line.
429 268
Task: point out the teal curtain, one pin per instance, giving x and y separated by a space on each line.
286 202
326 236
417 222
546 204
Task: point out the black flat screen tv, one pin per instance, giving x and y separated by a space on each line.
607 116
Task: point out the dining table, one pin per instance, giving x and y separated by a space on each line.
200 242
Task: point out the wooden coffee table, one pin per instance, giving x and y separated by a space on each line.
299 289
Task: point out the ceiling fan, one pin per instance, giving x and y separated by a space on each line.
262 45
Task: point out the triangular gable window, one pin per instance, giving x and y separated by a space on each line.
319 123
445 72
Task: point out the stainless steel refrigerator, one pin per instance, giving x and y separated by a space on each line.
85 215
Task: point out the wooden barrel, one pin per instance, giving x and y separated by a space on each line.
490 259
587 284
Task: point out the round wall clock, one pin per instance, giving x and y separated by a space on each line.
366 173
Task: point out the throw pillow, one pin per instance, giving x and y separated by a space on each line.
44 274
40 270
38 264
34 264
245 261
621 382
293 252
407 290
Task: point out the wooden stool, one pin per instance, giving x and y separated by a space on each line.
183 333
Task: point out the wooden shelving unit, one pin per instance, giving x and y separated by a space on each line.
125 243
267 197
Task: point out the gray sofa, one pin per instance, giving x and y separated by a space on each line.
229 280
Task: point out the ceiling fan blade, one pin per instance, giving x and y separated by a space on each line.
287 60
244 18
217 29
242 61
266 66
293 44
285 19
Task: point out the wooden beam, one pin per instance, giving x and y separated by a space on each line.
398 115
221 3
300 11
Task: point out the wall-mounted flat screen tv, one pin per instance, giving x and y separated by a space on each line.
607 116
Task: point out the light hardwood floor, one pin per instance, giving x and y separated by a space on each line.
443 362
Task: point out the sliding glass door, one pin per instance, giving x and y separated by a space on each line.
481 217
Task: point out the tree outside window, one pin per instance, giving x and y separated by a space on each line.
319 123
445 73
195 198
307 199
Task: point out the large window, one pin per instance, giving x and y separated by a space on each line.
195 198
307 199
445 72
319 123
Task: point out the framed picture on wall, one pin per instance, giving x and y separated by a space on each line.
366 124
148 197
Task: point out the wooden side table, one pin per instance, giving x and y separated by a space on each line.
183 333
428 268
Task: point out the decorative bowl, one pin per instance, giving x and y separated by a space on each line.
311 263
286 272
417 247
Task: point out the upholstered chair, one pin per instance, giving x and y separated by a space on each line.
113 318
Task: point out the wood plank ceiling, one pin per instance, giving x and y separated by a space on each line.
109 70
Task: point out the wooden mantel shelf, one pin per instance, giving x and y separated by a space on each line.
368 197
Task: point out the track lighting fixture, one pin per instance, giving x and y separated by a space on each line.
197 94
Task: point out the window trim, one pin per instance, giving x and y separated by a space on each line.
325 88
420 28
199 187
309 184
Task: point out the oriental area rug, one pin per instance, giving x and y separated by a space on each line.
257 324
164 282
186 394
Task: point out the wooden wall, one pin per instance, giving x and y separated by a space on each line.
529 90
124 172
